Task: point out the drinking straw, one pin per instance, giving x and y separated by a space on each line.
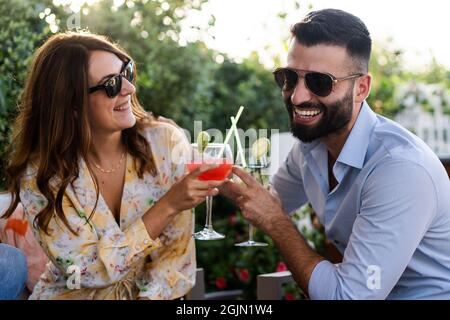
238 141
232 130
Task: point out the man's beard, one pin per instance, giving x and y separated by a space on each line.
334 117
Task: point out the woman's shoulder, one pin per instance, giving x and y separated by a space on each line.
163 132
30 171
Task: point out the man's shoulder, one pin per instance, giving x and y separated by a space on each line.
395 143
396 154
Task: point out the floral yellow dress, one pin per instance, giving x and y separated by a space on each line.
117 261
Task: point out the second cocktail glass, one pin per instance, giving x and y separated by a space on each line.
255 165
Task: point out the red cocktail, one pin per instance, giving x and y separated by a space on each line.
213 153
219 173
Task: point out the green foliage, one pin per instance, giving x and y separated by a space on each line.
386 68
251 85
173 80
185 83
228 267
435 73
21 31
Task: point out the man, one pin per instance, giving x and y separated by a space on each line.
380 192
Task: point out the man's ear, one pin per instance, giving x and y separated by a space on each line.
362 88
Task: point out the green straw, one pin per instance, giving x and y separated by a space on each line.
238 142
232 130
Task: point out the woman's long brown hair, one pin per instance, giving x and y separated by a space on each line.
52 129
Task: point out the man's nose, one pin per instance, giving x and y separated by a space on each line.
300 93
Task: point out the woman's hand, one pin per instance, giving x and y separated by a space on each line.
190 191
183 195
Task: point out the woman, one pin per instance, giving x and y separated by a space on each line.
99 178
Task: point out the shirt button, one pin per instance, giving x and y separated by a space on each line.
146 242
137 247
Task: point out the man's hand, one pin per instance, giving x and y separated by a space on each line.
264 210
261 207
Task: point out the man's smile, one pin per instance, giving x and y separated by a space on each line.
306 115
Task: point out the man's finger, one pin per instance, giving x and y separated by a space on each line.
245 177
236 189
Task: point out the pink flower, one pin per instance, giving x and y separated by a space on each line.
232 218
221 283
243 275
289 296
281 267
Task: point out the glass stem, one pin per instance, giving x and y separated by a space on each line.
208 224
251 231
251 228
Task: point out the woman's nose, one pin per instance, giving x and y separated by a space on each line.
127 87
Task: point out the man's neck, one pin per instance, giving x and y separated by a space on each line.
335 141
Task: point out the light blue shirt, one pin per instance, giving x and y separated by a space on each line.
389 215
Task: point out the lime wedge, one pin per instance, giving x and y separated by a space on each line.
203 139
260 148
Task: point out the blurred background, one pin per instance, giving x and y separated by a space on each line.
201 60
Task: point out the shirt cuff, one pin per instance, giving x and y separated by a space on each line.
139 239
322 283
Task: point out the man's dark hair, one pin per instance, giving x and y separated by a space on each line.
336 27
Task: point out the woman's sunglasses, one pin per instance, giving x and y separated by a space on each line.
113 85
320 84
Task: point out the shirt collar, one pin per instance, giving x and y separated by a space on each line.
355 148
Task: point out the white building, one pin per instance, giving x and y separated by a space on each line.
423 114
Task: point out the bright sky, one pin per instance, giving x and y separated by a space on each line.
418 27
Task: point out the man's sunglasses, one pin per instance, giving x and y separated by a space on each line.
113 85
320 84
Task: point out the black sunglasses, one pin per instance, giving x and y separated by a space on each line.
113 85
320 84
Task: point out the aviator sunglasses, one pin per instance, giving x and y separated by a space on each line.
113 85
320 84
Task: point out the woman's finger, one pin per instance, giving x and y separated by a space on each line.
207 184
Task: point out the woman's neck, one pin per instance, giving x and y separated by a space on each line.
106 149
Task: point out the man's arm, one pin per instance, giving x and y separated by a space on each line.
264 210
398 203
299 257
